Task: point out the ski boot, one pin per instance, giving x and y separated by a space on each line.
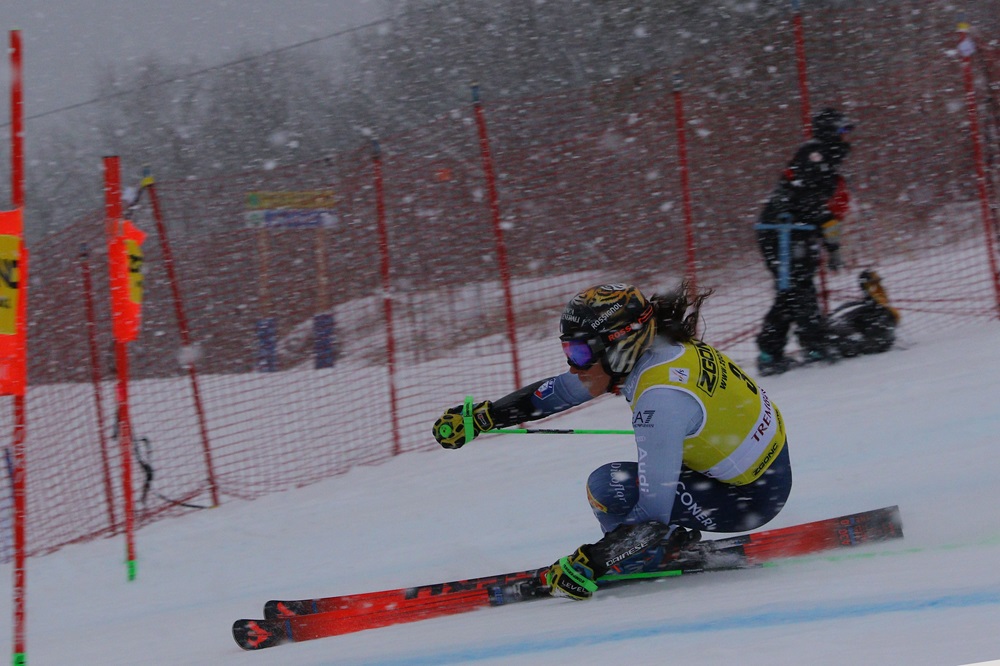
664 555
769 364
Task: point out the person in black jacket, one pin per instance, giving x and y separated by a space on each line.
800 218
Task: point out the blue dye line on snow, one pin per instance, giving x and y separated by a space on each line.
744 621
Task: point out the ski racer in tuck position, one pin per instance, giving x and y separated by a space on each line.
712 450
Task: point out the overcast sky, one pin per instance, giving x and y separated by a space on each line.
66 43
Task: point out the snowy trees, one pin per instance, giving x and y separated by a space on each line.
291 105
423 62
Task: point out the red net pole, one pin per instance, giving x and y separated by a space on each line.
182 323
113 219
16 120
801 67
491 188
95 378
125 442
385 270
682 167
20 458
966 47
20 545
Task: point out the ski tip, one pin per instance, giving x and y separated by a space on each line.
259 634
275 609
272 609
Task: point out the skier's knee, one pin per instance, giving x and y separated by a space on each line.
612 490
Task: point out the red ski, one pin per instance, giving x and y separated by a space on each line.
307 619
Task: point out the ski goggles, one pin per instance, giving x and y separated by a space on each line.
582 353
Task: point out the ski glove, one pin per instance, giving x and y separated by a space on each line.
449 429
572 577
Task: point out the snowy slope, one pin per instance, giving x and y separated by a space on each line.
915 427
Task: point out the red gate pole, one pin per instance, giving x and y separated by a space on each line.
182 324
95 378
801 65
385 270
491 188
113 220
682 160
20 455
966 47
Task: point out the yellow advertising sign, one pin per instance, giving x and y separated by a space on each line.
301 200
125 267
10 255
13 304
135 257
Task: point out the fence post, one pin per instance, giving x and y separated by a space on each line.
682 159
491 188
324 325
124 266
390 338
95 379
801 67
182 324
19 472
966 47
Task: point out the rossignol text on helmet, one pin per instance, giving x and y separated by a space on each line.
614 321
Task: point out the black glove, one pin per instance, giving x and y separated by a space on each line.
449 429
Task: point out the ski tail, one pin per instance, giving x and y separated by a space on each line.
260 634
385 598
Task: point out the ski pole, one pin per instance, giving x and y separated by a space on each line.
467 419
557 431
467 422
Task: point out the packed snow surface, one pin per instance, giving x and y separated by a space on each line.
917 427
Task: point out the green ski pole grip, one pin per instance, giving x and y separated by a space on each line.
467 418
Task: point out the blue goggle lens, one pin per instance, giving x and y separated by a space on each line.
579 353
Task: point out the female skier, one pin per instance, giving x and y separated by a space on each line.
712 452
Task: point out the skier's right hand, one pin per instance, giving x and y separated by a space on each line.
449 429
572 577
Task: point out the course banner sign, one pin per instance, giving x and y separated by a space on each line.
308 209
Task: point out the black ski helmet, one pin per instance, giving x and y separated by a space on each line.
617 322
830 124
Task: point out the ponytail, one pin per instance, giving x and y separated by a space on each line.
677 312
